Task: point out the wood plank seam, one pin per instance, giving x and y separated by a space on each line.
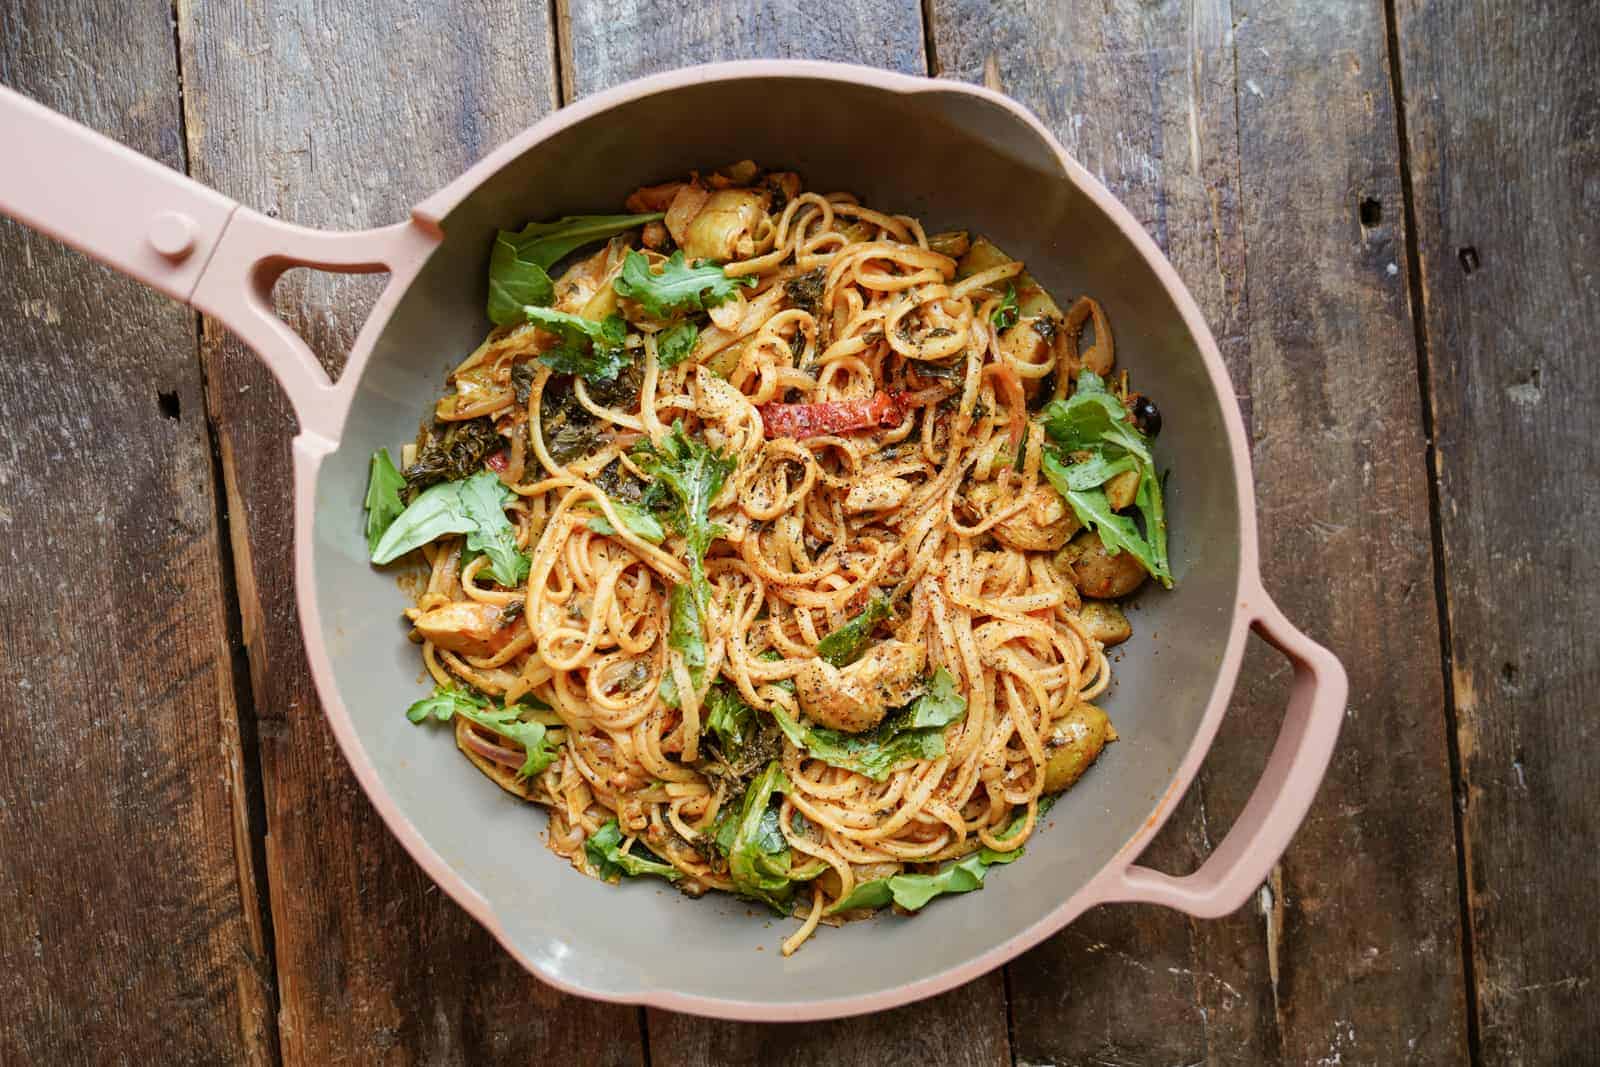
244 764
1417 296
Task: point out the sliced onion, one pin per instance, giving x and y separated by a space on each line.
506 757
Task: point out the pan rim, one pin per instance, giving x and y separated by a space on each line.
311 448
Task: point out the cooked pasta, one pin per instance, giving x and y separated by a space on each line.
773 545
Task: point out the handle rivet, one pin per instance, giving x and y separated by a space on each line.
172 234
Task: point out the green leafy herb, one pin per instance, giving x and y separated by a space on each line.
1093 427
916 732
674 344
603 848
759 860
383 496
436 512
640 522
693 473
449 700
804 291
1005 316
456 452
678 288
520 264
733 722
686 636
483 498
474 506
845 645
912 891
594 351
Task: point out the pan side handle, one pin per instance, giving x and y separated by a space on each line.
190 242
1244 858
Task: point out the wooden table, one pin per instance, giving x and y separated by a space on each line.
1388 214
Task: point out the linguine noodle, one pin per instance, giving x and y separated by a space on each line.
933 504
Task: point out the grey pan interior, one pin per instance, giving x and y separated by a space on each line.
954 160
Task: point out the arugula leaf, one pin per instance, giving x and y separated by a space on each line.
693 473
912 891
678 288
451 700
602 848
595 351
520 263
915 732
483 498
759 859
686 635
1005 316
435 512
640 522
731 720
874 894
845 645
383 496
1116 531
674 344
1093 421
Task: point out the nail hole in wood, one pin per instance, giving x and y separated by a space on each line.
1508 674
1371 212
1469 258
168 403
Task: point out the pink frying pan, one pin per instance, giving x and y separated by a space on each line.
956 156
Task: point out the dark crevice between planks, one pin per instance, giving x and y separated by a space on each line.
254 797
1441 588
930 52
254 891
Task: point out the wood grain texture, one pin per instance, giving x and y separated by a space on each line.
1503 124
603 44
1247 137
128 918
342 116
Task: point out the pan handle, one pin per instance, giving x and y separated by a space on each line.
253 254
1244 859
188 241
126 210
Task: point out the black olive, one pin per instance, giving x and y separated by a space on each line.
1146 416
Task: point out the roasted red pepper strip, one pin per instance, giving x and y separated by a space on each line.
834 416
498 461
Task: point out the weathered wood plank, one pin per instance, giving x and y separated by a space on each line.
601 45
604 44
1247 140
1503 129
342 116
121 756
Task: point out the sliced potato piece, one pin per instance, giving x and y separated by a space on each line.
1105 622
1032 299
1120 490
1098 573
1075 742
